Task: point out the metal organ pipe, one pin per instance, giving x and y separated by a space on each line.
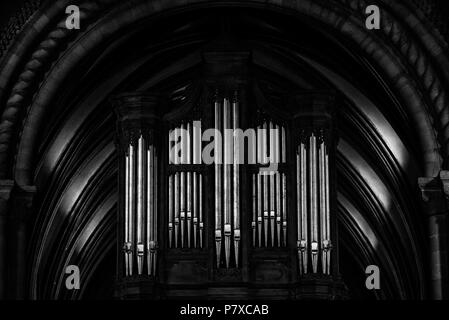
150 212
265 187
322 202
303 215
254 207
170 211
270 189
273 158
327 245
259 187
176 205
313 211
313 199
236 181
140 207
201 208
218 202
189 188
195 209
182 213
153 241
227 181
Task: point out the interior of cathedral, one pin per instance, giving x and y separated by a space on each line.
96 97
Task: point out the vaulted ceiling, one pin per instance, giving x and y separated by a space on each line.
57 126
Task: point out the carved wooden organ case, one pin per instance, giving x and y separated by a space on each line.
233 225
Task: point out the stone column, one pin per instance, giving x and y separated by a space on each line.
435 195
138 142
18 235
5 193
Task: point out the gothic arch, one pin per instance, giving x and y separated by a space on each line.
406 60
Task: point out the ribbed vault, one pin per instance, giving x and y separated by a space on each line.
57 125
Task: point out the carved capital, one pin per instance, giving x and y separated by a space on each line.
315 115
6 187
444 177
433 195
137 114
22 202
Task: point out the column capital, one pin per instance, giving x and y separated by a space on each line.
433 194
315 114
138 113
137 106
22 200
6 187
444 177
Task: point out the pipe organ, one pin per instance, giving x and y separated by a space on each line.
257 214
227 182
138 202
140 243
185 190
269 187
313 214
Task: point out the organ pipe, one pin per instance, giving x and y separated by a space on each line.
313 214
218 193
236 181
176 205
140 212
269 225
227 181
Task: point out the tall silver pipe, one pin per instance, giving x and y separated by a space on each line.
127 242
227 181
155 211
188 144
272 207
182 213
259 209
150 213
236 182
131 206
176 210
189 187
284 209
200 214
283 148
274 158
299 212
170 211
259 186
254 222
327 244
313 198
259 145
278 208
195 209
266 213
140 205
189 208
218 201
304 208
265 209
322 203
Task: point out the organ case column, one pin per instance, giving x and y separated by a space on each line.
314 141
137 139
